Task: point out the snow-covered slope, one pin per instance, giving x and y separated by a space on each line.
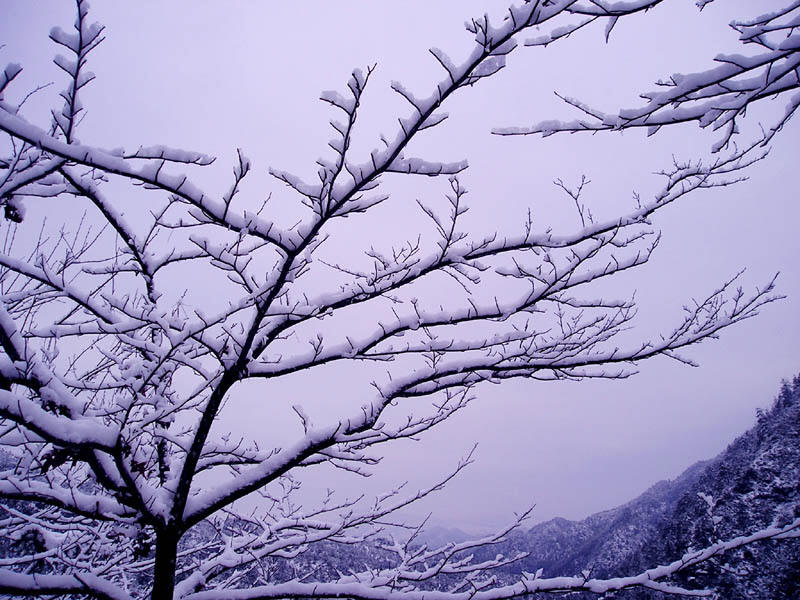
752 484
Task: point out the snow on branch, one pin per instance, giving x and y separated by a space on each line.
717 98
18 584
150 175
9 74
417 166
169 154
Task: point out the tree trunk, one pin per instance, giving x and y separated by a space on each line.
164 571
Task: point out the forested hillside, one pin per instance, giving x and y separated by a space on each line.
755 483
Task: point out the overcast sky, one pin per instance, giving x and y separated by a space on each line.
214 76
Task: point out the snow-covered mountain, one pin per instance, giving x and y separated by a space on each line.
754 483
751 485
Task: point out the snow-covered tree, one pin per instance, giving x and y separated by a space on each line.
716 98
116 483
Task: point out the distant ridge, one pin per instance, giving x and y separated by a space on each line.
755 482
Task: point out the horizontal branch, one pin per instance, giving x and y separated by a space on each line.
151 174
34 585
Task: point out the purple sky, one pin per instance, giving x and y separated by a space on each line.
209 77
